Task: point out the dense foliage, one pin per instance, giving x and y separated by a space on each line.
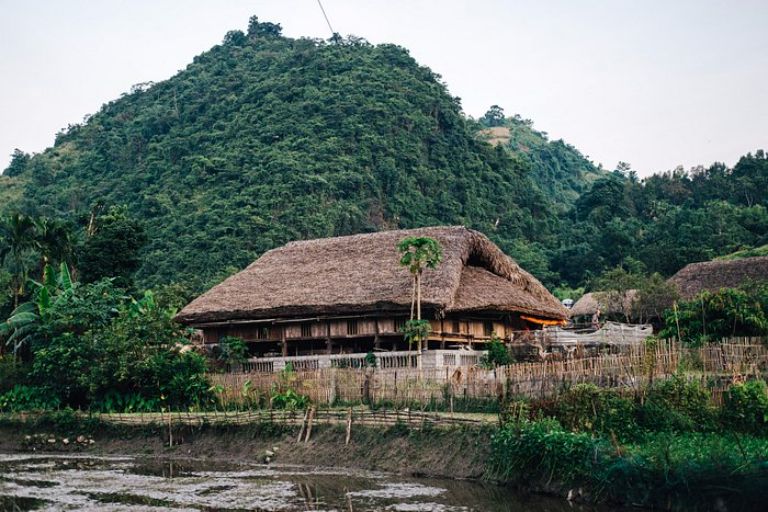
665 445
91 345
711 316
265 139
665 221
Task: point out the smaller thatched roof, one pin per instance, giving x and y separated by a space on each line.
361 273
608 302
715 275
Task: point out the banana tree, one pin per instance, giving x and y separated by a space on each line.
23 326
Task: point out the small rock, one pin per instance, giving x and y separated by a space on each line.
274 448
81 439
267 460
269 453
65 440
52 440
91 441
571 495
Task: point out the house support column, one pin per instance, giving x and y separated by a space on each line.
329 345
283 342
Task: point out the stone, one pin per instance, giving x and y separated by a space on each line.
81 439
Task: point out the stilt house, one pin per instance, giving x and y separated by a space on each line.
350 295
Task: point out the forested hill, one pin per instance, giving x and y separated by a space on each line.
265 139
558 168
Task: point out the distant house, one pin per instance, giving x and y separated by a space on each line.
612 305
349 295
715 275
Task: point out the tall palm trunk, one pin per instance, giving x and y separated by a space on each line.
413 296
418 303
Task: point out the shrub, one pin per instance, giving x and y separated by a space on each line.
497 354
28 398
538 450
289 399
676 404
746 407
11 373
588 408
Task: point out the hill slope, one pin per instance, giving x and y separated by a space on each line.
266 139
559 169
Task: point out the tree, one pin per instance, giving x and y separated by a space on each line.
112 248
235 38
263 29
418 253
54 239
494 116
18 231
25 324
19 162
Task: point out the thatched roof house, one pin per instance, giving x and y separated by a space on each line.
361 274
715 275
610 303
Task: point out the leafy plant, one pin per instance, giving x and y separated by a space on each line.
28 398
745 407
414 331
496 354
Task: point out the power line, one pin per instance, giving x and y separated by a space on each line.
333 32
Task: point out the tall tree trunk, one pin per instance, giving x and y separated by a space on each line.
418 303
413 295
418 296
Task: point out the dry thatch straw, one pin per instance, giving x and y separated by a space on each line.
608 302
361 273
715 275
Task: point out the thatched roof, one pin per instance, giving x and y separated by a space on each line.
361 273
717 274
609 303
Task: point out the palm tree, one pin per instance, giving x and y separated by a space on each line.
18 230
418 253
54 240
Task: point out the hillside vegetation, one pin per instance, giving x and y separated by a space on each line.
266 139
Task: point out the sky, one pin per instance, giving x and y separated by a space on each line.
654 83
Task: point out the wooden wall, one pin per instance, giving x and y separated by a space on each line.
469 329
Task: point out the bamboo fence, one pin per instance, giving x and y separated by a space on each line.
733 359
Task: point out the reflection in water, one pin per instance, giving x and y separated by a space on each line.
71 483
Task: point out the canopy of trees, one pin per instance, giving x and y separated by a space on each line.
265 139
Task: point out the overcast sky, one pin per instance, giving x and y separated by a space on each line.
654 83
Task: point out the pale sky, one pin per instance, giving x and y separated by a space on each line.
654 83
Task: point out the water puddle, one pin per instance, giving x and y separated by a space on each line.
60 483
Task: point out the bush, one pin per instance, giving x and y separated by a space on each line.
538 450
28 398
11 373
588 408
497 354
746 407
677 405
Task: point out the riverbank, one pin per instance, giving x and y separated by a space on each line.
673 472
455 452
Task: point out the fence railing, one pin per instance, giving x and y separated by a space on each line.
403 385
